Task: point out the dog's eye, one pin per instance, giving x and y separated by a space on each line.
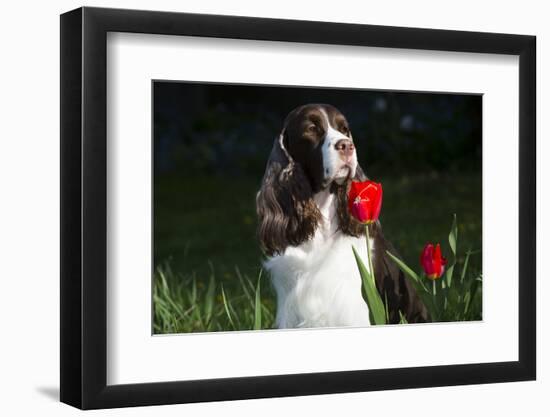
344 130
312 128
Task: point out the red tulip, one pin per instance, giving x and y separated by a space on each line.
432 261
365 201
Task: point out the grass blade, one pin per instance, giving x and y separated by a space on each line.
226 307
210 295
258 307
453 236
449 275
193 294
244 286
472 293
465 267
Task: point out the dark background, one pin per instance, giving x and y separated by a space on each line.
211 144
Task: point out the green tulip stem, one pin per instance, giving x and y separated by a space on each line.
433 286
368 254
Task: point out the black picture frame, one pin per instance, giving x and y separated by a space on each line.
84 207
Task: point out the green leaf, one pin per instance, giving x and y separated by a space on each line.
226 307
386 307
258 306
466 302
244 286
193 295
402 318
449 275
472 293
209 301
408 271
453 235
465 266
373 299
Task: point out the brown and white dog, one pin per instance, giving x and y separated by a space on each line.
307 233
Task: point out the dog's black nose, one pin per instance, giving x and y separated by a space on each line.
345 147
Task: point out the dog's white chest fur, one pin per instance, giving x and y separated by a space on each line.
318 283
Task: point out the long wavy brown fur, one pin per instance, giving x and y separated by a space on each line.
287 214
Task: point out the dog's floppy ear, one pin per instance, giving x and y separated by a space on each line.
287 214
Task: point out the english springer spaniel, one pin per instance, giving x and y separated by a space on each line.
307 233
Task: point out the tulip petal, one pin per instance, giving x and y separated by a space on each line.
432 261
426 259
365 201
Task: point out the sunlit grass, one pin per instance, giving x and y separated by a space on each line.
183 304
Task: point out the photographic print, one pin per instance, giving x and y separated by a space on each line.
279 207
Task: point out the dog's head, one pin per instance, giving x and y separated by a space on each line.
318 138
314 152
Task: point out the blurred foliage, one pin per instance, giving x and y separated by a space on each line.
229 129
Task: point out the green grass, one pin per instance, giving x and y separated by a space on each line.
206 220
208 261
183 304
